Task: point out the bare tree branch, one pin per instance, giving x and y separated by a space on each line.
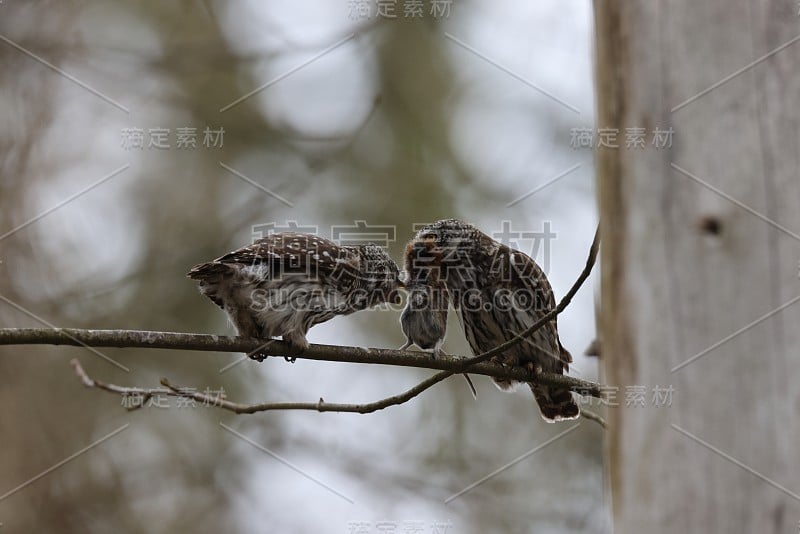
143 395
171 390
333 353
591 416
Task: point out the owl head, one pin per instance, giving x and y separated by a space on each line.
379 274
444 248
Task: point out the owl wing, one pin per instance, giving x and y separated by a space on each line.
285 253
526 274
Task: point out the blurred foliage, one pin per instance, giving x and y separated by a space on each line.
115 257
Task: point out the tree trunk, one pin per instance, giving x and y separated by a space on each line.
701 243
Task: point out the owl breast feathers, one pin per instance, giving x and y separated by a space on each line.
285 283
498 292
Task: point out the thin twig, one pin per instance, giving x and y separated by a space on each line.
171 390
591 416
143 395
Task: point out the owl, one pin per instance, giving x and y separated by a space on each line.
285 283
498 292
424 318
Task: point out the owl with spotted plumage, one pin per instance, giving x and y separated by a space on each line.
285 283
498 292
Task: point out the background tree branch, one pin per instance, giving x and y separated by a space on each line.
143 395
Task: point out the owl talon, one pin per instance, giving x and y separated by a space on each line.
257 356
296 345
293 350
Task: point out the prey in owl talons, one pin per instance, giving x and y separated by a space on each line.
424 318
285 283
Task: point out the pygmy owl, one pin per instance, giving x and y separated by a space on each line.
285 283
498 292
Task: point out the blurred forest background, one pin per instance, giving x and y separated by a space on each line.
461 114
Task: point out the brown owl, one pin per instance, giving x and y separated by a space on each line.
285 283
498 292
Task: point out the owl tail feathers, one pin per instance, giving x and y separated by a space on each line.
555 404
